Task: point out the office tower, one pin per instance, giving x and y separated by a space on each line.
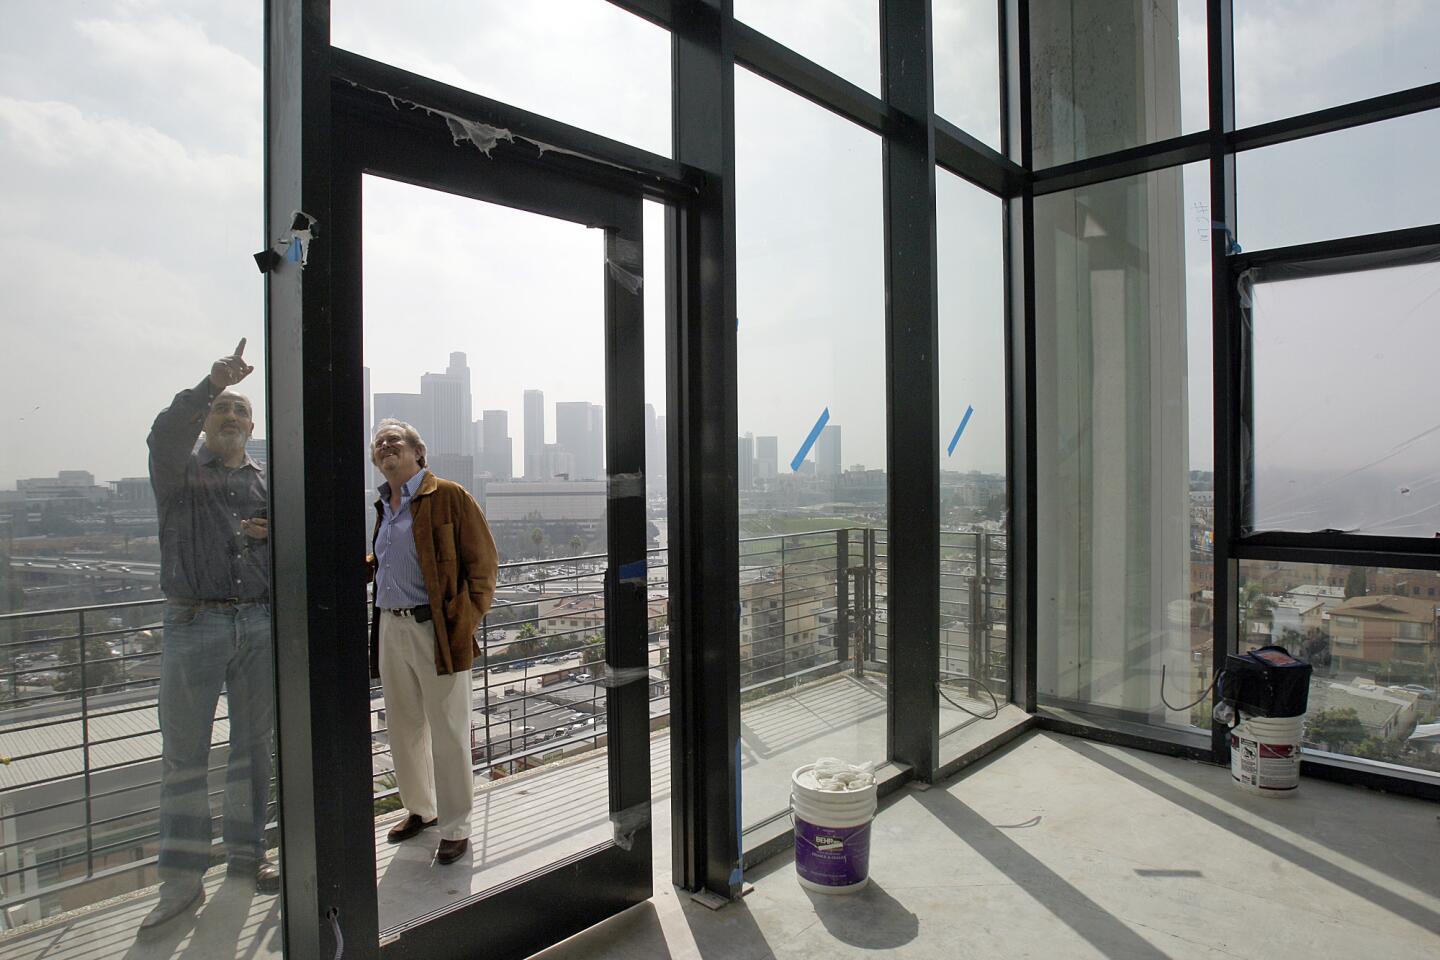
534 434
459 467
767 458
369 429
477 441
596 455
496 457
747 461
406 407
661 466
447 403
572 434
557 462
652 442
827 452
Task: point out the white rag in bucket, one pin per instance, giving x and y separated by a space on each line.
836 776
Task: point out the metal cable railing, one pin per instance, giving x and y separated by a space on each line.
78 686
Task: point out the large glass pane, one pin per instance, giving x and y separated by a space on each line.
974 643
137 705
1345 395
967 66
507 392
812 409
1362 180
1369 636
1294 56
1123 413
1109 75
841 35
529 55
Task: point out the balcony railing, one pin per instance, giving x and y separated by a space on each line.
79 734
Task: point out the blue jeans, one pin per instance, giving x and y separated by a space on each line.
205 649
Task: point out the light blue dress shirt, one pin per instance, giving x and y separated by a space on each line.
399 581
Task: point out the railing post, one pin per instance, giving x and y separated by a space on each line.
842 595
485 685
982 578
871 562
784 616
85 743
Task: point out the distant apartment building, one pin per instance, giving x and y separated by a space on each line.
1384 634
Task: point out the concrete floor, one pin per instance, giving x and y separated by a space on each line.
1055 848
1063 848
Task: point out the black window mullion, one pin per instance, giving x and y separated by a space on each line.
913 490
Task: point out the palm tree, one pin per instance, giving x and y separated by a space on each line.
537 537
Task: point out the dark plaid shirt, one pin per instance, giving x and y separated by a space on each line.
203 553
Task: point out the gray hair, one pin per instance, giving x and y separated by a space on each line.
232 396
412 437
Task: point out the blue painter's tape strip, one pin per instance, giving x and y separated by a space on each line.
810 440
633 572
293 253
959 430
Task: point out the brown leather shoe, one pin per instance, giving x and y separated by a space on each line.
267 877
451 850
407 828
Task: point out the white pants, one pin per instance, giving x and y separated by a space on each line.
427 718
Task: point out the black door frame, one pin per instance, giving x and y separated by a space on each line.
417 146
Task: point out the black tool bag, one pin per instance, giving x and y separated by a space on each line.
1267 682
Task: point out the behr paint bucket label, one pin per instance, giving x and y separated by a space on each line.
832 856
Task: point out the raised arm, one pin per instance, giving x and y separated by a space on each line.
173 434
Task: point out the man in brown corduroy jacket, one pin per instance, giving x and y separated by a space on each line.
435 565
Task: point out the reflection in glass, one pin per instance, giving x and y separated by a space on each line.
136 671
1295 56
1343 184
1369 636
529 55
812 454
974 644
1345 401
1107 76
967 66
506 390
1125 495
842 36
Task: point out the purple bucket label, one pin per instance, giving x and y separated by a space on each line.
832 856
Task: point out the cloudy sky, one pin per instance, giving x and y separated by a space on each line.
130 134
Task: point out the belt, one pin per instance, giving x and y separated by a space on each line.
226 602
421 613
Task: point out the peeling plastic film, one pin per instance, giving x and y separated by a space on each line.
629 822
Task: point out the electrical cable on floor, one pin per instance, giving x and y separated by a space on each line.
995 712
1192 703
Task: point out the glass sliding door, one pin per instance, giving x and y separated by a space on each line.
503 316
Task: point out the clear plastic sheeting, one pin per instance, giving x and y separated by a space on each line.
1346 418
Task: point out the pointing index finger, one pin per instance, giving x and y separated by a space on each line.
240 348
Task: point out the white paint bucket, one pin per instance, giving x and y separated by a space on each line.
832 834
1265 755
